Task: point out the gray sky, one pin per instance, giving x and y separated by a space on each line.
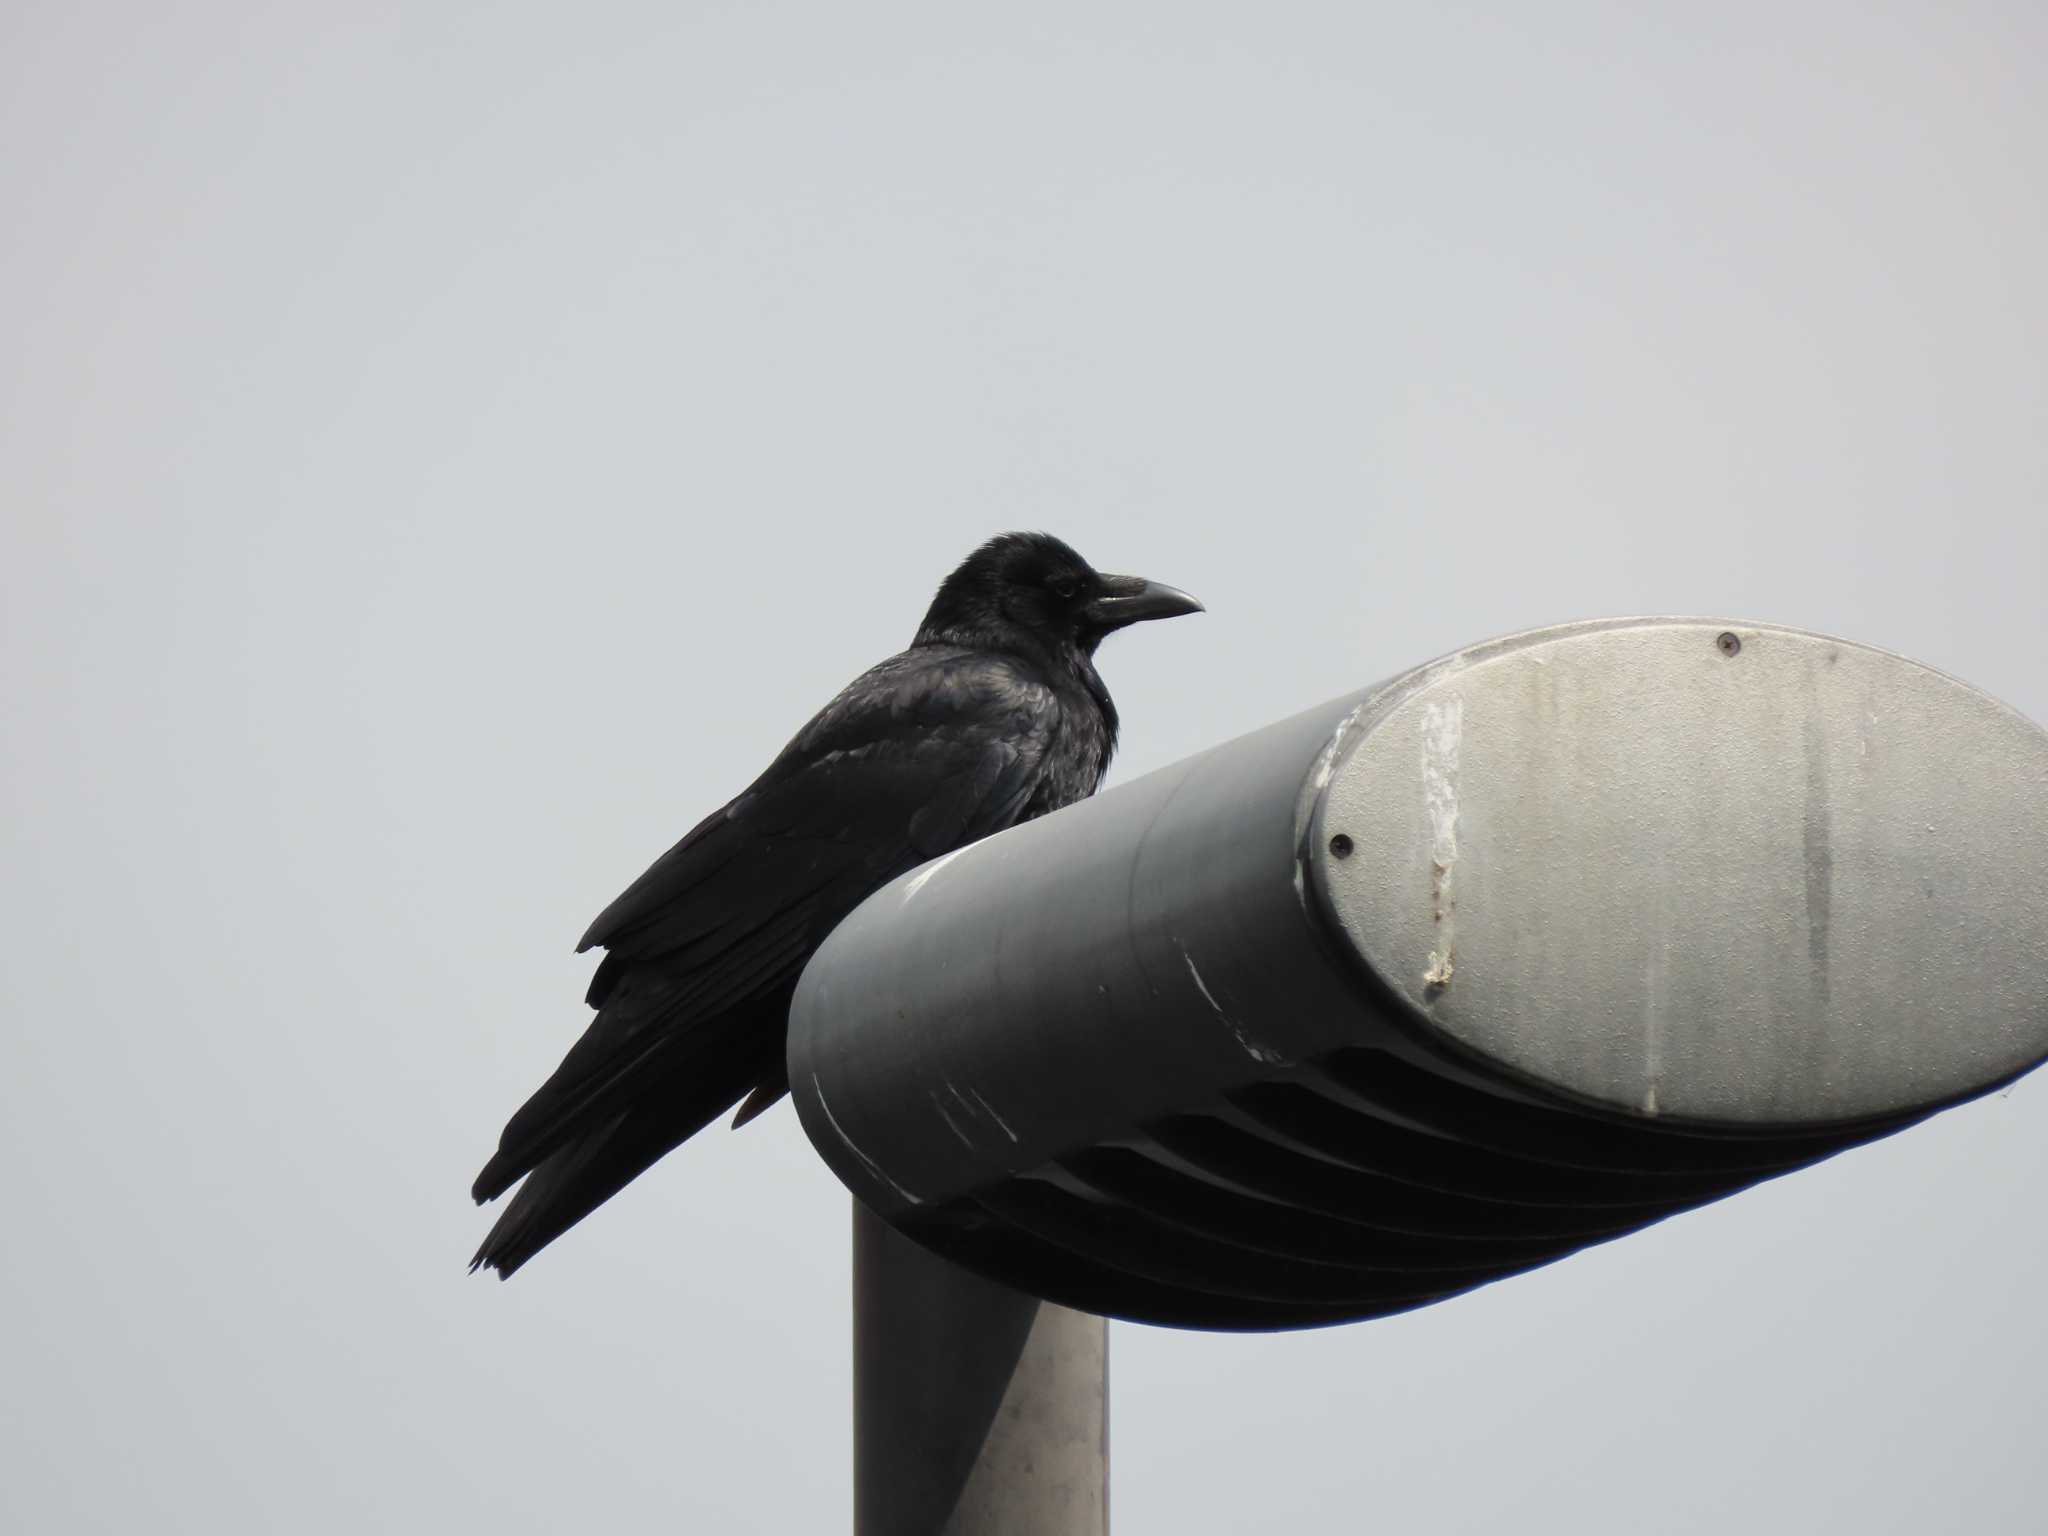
444 450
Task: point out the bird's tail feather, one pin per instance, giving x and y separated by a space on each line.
633 1053
580 1175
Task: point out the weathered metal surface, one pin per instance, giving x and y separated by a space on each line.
1442 980
1732 873
1045 988
978 1411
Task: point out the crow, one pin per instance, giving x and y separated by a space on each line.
994 715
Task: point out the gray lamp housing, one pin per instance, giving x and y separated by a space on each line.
1443 980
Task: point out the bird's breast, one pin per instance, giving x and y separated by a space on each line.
1074 765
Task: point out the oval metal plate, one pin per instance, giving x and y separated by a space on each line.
1730 873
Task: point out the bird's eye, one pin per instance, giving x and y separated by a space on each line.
1064 587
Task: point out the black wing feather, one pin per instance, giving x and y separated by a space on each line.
930 750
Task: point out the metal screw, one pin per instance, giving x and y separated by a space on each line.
1729 643
1340 846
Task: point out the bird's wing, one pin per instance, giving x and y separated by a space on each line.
926 752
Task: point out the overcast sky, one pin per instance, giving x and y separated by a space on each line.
447 449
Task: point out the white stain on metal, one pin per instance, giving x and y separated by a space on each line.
1251 1047
847 1142
1443 732
980 1107
1201 986
946 1115
919 880
1326 761
989 1110
1655 978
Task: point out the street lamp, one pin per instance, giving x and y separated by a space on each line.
1518 952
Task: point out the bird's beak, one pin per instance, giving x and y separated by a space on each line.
1129 599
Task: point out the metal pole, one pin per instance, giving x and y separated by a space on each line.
978 1410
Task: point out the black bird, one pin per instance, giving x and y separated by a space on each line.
994 715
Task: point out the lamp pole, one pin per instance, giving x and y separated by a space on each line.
978 1410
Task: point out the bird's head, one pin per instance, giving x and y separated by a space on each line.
1032 585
